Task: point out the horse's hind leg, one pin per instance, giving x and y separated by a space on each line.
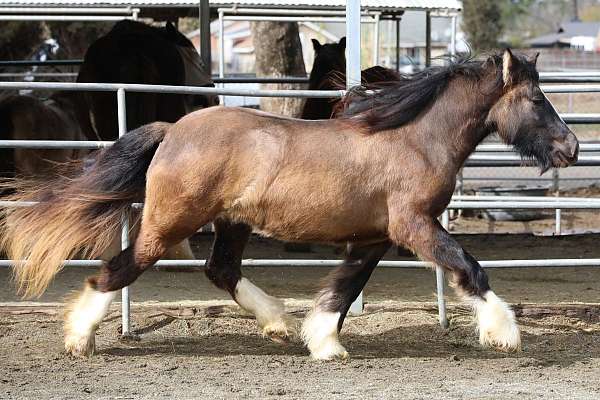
166 221
223 268
83 315
342 286
426 237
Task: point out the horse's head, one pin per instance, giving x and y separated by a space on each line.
196 73
524 117
329 57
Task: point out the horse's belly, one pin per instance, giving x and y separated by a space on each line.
327 219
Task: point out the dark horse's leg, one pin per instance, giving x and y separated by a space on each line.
426 237
342 286
223 268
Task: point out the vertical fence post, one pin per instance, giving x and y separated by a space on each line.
439 278
453 35
376 37
427 39
352 79
125 312
204 45
558 211
221 52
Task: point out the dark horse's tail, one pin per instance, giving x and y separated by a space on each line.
76 214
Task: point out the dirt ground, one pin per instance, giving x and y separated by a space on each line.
193 342
212 351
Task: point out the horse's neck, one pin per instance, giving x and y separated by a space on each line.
319 77
456 121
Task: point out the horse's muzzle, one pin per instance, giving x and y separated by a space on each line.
566 153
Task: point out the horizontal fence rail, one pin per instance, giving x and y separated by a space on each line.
462 202
172 89
565 262
69 10
37 63
132 87
570 77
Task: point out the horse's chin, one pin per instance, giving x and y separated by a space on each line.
544 167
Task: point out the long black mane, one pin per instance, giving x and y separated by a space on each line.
393 104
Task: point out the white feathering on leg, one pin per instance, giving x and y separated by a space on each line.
320 334
83 316
269 311
496 322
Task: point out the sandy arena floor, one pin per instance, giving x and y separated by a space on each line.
193 343
211 351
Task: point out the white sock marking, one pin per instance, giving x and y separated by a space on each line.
87 312
269 311
496 322
320 334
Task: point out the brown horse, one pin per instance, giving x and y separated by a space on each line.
29 117
133 52
329 73
382 174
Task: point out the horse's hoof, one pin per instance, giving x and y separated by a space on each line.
508 341
329 350
280 331
337 354
80 346
497 326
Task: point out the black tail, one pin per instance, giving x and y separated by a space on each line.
78 213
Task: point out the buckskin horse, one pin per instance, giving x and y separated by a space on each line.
379 175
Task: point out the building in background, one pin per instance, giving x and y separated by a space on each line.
574 47
239 51
582 36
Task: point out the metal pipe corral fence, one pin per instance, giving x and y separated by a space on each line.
576 83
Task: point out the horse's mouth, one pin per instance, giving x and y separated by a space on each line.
565 154
561 159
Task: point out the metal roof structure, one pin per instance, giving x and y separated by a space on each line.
431 5
565 33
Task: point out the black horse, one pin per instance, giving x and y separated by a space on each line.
133 52
329 73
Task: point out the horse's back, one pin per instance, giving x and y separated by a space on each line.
262 166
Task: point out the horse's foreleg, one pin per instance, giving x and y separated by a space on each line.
426 237
343 285
223 268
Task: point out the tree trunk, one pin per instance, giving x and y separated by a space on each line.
279 53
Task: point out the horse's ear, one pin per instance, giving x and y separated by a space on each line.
171 30
534 59
342 43
509 66
316 45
